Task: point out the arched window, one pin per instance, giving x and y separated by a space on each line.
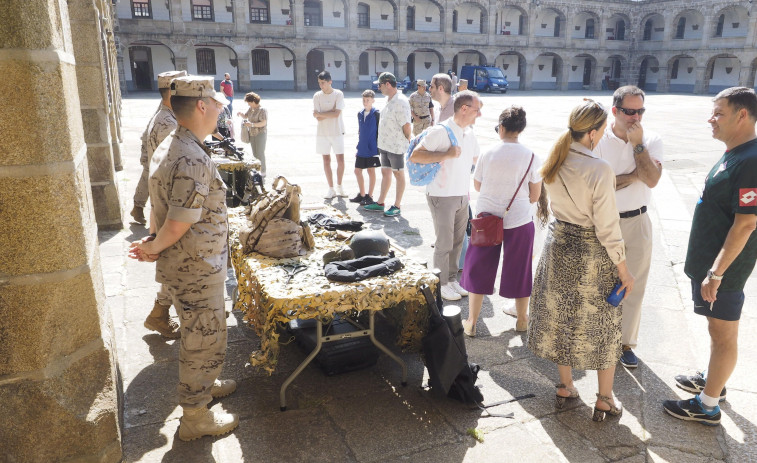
141 9
206 62
261 63
521 24
363 16
313 13
202 10
674 70
481 21
719 29
411 18
589 33
620 30
648 29
260 12
454 21
681 29
557 26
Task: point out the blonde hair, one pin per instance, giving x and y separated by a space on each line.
584 118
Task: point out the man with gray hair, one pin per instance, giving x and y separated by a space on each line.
447 194
635 155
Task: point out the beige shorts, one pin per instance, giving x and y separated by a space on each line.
325 144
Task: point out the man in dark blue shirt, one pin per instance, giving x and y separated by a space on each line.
722 250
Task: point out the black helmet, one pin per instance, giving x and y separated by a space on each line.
370 243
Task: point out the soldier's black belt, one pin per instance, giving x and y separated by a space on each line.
422 117
634 213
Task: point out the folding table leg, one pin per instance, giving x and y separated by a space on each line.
298 370
384 348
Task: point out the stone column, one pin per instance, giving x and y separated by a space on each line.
300 74
93 97
353 74
663 80
58 386
527 77
241 16
564 80
244 70
298 16
699 85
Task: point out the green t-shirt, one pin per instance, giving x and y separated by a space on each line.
730 188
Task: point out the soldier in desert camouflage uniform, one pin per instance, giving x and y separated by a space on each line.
189 212
161 124
422 108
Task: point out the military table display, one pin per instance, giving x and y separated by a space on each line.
270 293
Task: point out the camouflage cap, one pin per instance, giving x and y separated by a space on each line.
421 83
462 82
165 78
198 87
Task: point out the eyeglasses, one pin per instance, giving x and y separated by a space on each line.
471 106
631 112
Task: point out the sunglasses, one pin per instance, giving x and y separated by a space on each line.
631 112
496 128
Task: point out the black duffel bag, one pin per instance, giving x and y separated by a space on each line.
348 271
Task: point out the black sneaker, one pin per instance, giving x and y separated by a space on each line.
357 199
628 359
366 200
692 410
695 384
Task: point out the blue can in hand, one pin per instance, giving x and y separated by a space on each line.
614 298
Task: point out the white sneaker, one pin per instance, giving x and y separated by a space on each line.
340 191
449 293
458 289
330 194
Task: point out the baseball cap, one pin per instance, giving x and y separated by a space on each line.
198 87
165 78
386 77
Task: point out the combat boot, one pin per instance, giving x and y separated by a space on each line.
222 388
139 215
160 321
203 422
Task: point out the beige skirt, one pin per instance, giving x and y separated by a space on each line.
570 322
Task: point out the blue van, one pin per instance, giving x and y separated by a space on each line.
485 78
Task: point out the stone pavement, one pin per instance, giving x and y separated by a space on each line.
367 416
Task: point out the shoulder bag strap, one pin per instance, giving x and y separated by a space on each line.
520 184
451 134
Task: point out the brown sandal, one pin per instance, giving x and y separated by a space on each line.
599 415
561 400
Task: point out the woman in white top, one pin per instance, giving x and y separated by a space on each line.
505 168
570 321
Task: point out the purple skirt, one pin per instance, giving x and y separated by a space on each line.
481 263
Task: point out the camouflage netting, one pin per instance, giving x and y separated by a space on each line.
266 300
229 165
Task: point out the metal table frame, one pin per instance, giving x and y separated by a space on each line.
320 339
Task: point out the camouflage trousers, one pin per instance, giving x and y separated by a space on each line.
141 194
164 297
203 340
419 125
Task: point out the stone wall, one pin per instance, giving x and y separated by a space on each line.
182 36
58 374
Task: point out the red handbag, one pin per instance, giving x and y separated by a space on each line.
487 229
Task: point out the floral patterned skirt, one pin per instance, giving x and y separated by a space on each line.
570 322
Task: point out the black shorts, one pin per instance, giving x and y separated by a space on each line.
726 307
391 160
366 163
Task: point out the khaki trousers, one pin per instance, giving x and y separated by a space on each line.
419 125
141 194
637 235
450 217
203 340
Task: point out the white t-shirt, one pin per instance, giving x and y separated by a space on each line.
499 170
325 102
620 156
394 116
453 178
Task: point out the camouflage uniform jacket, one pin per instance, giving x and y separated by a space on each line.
163 123
185 186
143 158
419 104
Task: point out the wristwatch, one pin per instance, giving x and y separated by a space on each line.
638 149
711 275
